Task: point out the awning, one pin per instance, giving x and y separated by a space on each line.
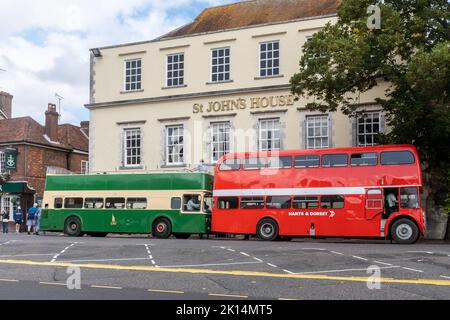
15 187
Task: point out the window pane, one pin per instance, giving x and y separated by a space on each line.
230 164
332 202
58 203
278 202
175 203
397 157
279 162
136 203
227 203
335 160
307 161
409 198
73 203
93 203
306 202
115 203
364 159
254 163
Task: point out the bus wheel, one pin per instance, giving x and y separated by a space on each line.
267 230
72 227
404 231
182 236
162 228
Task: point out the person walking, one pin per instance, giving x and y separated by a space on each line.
31 219
37 221
4 217
18 218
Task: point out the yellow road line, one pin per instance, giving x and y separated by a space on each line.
53 283
227 295
165 291
106 287
8 280
436 282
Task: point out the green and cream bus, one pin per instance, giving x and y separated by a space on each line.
162 204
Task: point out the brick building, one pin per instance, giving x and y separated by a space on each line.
32 148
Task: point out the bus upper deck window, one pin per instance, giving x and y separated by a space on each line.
58 203
115 203
364 159
232 164
227 203
335 160
279 163
409 198
254 163
397 157
136 203
307 161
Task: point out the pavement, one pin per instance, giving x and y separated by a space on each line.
54 266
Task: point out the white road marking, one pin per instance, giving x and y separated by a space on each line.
318 249
231 250
338 253
245 254
257 259
383 263
410 269
272 265
63 251
150 255
360 258
211 264
427 252
287 271
343 270
105 260
445 277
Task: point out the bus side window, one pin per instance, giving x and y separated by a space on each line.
228 203
332 202
409 198
73 203
307 162
232 164
335 160
58 203
136 203
175 203
397 157
252 203
93 203
306 202
115 203
191 203
364 159
279 202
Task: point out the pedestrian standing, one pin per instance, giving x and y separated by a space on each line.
5 221
37 221
31 219
18 218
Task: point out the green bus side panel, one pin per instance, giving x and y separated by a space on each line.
105 182
123 221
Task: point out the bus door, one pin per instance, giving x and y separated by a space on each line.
374 203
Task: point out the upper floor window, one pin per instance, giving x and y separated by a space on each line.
317 132
2 162
132 147
269 59
220 65
368 127
175 145
220 140
133 75
175 70
269 135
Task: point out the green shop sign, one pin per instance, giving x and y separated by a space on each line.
10 159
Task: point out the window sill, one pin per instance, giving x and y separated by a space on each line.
132 168
219 82
131 91
174 166
270 77
174 87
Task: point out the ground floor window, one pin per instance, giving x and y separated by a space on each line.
317 132
5 204
220 137
368 128
84 167
269 135
175 145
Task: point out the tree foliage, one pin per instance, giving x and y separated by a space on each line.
411 52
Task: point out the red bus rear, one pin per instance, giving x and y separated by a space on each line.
345 192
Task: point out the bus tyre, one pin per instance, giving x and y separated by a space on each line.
182 236
72 227
404 231
162 228
267 230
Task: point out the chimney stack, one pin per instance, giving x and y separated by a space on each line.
6 104
51 122
84 125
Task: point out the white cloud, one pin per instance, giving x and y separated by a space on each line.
44 45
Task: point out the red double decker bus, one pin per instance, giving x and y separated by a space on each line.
347 192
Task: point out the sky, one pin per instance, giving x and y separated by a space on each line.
44 45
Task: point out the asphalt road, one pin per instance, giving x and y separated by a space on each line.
119 267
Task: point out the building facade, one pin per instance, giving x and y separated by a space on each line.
28 150
217 85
